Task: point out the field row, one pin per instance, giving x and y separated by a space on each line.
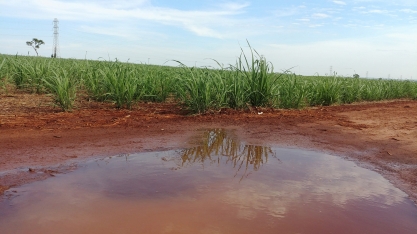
250 82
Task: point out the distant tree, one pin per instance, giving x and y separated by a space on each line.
355 76
35 43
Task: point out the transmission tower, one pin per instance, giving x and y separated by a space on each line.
55 48
331 71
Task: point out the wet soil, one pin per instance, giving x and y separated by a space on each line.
37 140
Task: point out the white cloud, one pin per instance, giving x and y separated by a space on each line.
175 29
410 11
232 6
359 8
396 2
120 4
200 22
203 31
319 181
377 11
289 11
315 25
339 2
116 31
362 54
320 15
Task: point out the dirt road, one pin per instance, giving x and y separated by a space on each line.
38 141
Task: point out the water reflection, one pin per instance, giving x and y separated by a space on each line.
302 192
220 147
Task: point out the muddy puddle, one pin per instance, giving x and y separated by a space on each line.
220 186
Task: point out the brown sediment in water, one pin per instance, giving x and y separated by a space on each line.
221 185
38 141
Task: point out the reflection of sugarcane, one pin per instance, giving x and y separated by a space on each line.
217 145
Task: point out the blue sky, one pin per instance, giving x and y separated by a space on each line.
374 38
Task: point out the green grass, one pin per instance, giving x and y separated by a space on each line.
258 75
292 93
62 88
119 84
251 81
3 75
200 89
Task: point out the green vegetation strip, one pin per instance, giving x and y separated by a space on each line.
250 82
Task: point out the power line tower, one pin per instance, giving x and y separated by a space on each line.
331 71
55 47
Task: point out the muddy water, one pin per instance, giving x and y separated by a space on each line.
219 186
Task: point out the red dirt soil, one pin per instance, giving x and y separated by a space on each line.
37 140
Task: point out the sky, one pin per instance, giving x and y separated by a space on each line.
372 38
